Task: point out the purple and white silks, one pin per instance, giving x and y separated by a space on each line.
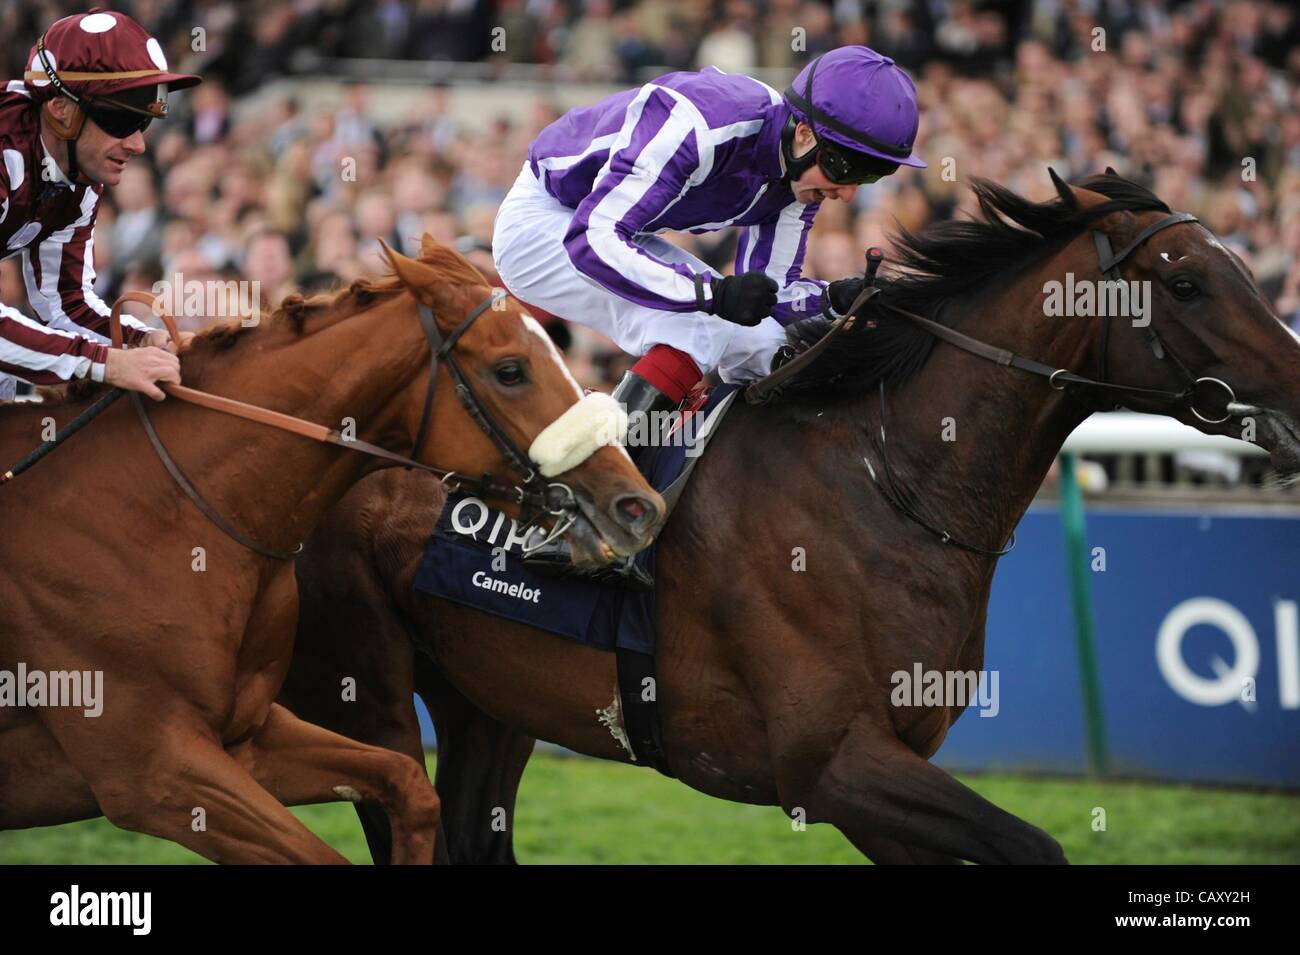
693 152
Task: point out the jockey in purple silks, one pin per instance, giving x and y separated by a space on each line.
699 152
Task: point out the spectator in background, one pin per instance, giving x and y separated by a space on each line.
730 46
209 115
136 233
633 51
450 30
590 50
435 125
376 219
285 126
353 128
267 259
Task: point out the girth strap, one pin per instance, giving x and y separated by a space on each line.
641 719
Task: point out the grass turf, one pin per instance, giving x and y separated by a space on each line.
589 811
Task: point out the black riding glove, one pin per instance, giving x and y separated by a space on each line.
839 297
744 299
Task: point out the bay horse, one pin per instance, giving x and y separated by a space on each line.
106 568
774 678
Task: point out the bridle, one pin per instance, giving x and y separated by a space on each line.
533 492
1109 263
549 498
1058 378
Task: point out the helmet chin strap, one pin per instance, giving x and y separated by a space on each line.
795 167
74 171
69 131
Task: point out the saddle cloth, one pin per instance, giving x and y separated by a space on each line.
474 555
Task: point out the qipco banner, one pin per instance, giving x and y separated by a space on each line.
1198 647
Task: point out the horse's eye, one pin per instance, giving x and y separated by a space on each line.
1184 289
510 373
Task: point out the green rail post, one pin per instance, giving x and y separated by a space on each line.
1077 562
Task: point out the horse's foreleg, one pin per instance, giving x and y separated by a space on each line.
480 764
395 727
301 763
874 786
382 715
344 593
178 783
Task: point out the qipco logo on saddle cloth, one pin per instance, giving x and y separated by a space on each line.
471 518
475 557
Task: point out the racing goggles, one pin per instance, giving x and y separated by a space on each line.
118 123
850 167
128 112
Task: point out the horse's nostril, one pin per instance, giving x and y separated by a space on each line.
633 508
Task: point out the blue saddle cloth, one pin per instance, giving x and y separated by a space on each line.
474 557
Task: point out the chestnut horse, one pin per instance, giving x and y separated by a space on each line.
106 567
774 678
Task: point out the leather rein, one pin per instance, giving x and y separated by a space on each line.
549 498
1058 378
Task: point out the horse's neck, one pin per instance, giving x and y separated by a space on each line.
348 375
973 440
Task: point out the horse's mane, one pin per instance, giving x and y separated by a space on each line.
450 267
949 261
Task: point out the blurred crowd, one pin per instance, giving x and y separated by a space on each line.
1199 100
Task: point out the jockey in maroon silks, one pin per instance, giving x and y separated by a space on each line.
68 128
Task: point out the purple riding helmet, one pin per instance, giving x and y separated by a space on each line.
861 107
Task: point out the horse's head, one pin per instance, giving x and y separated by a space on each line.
500 372
1205 327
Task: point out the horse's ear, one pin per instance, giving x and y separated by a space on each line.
417 276
1110 171
1063 189
1073 197
428 246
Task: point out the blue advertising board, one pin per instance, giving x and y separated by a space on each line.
1198 648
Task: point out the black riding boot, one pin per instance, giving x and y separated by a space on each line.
638 396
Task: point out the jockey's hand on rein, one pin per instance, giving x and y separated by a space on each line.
160 339
840 296
137 369
744 299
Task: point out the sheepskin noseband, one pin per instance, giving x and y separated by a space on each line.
595 421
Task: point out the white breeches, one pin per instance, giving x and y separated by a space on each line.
528 249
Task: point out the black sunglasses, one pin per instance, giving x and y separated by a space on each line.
118 123
847 167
